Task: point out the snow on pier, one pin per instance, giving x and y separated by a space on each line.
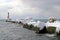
55 24
38 25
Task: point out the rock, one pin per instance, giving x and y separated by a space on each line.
36 29
31 27
43 31
51 19
20 22
51 29
13 21
25 25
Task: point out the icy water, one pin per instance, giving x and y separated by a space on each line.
13 31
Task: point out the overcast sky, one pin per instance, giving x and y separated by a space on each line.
30 8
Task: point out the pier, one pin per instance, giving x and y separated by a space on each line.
37 26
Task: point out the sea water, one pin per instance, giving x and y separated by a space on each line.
13 31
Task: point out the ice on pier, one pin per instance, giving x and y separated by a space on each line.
13 20
31 21
56 24
27 20
17 20
38 24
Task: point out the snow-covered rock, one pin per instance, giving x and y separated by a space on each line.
54 24
17 20
31 22
52 19
38 24
27 20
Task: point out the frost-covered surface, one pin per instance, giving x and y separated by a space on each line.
30 21
17 20
13 20
26 20
40 24
54 24
22 21
37 24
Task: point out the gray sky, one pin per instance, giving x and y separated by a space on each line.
30 8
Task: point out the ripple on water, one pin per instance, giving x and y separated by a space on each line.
11 31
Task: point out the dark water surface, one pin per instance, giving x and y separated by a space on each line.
11 31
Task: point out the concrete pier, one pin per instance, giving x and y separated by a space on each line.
51 27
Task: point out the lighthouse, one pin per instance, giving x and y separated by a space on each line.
8 17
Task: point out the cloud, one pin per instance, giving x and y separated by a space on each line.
34 8
48 7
